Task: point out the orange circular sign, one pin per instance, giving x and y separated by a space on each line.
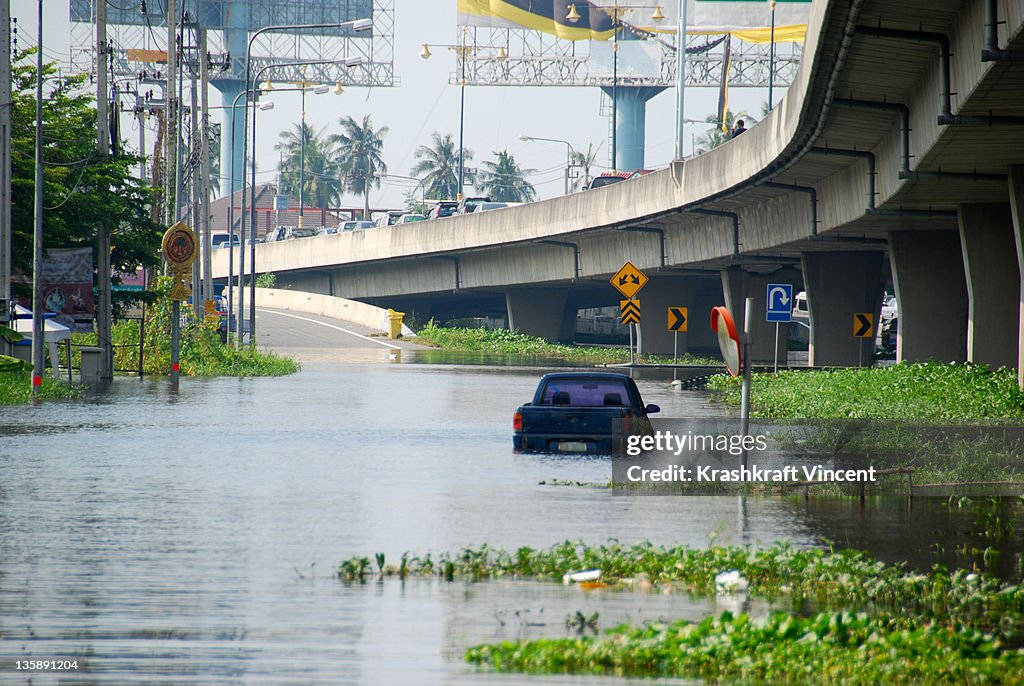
180 247
728 339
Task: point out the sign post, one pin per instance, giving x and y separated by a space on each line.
736 355
863 328
179 248
628 281
779 309
677 322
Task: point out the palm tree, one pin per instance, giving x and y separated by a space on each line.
584 160
321 185
359 161
438 166
505 181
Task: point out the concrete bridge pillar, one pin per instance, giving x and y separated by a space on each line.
739 284
661 293
931 294
839 285
543 312
1016 181
993 284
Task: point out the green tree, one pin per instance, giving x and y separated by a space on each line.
358 150
319 171
80 187
438 166
716 136
503 180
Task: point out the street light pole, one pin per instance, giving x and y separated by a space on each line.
568 154
302 158
357 25
462 119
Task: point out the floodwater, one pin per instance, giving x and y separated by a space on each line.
191 536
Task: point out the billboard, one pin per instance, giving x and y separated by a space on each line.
747 20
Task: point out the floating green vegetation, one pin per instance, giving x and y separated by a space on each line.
846 617
846 579
828 647
908 391
505 342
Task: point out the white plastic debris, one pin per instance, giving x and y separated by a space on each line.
585 575
730 582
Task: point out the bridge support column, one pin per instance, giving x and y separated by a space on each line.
739 284
840 284
542 312
1016 181
993 284
931 293
661 293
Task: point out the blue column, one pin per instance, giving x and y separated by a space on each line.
630 125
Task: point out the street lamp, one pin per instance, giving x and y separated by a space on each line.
461 51
568 154
574 16
357 25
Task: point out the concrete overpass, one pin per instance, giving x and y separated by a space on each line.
898 150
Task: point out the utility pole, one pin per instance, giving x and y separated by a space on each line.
5 162
199 295
170 150
204 167
38 345
104 308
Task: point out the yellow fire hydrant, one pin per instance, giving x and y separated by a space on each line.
395 324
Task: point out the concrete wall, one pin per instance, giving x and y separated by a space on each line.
324 305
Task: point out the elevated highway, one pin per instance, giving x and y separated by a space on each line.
897 154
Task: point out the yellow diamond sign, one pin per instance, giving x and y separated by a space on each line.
629 280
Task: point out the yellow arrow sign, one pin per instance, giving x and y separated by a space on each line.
677 319
863 325
630 311
629 280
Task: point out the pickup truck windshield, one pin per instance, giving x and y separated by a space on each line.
585 392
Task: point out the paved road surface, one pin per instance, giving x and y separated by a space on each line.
313 338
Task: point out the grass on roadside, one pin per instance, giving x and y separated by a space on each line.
927 390
16 388
505 342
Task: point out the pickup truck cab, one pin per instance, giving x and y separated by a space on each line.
576 412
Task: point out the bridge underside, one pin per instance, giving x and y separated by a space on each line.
896 160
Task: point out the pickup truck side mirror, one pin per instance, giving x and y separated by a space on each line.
652 409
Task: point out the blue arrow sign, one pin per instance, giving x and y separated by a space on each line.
779 303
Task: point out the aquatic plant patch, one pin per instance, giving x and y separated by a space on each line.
505 342
828 647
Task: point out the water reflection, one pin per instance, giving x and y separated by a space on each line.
190 537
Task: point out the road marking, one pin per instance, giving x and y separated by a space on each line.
332 326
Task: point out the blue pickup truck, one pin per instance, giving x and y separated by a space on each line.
576 412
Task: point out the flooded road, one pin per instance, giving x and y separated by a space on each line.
191 536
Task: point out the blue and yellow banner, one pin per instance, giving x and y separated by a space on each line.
746 20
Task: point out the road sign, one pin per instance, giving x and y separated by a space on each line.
779 303
728 339
630 310
629 280
677 319
863 325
